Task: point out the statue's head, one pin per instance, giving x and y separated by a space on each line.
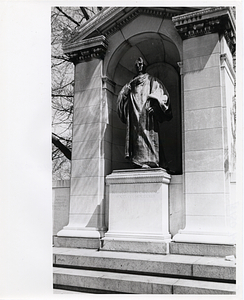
140 66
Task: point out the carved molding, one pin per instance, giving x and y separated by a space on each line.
180 65
112 19
139 11
87 49
141 176
206 21
108 84
99 18
225 63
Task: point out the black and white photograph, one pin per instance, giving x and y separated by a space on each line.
129 138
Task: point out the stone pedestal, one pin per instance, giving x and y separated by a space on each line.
138 211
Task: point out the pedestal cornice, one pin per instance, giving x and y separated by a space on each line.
138 175
206 21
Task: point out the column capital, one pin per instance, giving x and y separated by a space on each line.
86 49
206 21
180 65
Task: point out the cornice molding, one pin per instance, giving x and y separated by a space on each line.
112 19
206 21
139 11
157 175
100 18
87 49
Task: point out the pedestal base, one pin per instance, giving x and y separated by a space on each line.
137 246
138 211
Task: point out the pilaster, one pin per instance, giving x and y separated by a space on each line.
91 142
206 149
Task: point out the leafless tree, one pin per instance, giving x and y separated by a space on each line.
63 20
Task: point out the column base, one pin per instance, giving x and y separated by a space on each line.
77 242
81 232
205 238
76 237
203 243
202 249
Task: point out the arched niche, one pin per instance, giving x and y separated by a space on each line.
161 57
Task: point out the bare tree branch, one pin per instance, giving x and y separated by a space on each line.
66 96
64 149
63 57
67 16
85 13
63 18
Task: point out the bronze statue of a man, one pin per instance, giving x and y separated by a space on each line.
142 103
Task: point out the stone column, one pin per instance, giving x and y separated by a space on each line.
90 148
207 35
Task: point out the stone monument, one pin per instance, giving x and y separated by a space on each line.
191 51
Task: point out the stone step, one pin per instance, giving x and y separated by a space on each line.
60 291
135 284
174 266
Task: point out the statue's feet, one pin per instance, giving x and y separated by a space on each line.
145 166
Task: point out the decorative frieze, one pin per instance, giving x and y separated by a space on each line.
206 21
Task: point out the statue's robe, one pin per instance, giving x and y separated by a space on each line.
142 128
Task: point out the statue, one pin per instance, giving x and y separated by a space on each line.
142 104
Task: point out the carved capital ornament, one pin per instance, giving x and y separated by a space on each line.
206 21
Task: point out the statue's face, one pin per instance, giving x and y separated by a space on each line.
139 65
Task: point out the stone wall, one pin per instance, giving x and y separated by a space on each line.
60 201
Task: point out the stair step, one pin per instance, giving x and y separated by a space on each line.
172 265
60 291
135 284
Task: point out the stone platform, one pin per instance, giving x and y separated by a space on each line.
134 273
138 211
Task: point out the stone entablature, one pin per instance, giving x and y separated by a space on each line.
206 21
103 24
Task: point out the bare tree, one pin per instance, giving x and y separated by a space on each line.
63 20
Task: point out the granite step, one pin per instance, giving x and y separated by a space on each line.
113 282
173 266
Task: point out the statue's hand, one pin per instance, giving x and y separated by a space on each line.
127 89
